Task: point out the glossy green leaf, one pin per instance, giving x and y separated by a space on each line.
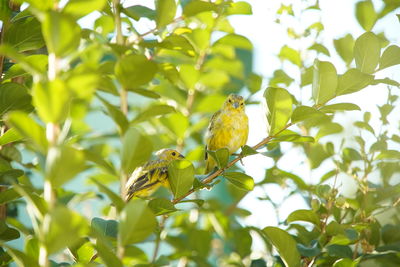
221 157
352 81
51 100
247 151
180 176
344 47
14 96
240 180
29 129
284 244
339 107
135 70
60 234
239 8
305 216
136 149
61 33
80 8
325 81
161 206
153 111
136 223
367 49
63 163
25 34
7 233
106 227
328 129
390 57
279 108
366 15
165 12
198 6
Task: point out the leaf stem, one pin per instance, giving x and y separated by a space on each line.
215 174
158 240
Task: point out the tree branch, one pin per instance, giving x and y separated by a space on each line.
214 175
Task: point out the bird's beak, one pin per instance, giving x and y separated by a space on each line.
181 156
235 104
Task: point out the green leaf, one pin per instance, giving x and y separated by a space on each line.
328 129
352 81
36 62
364 125
136 12
198 6
339 251
5 11
367 49
136 149
247 151
60 234
52 100
386 81
29 129
180 176
366 15
153 111
20 258
135 70
350 154
63 163
344 47
179 43
137 222
35 203
144 92
295 138
235 40
320 49
177 123
389 154
116 114
279 105
161 206
312 251
165 12
8 195
305 216
105 227
7 233
24 34
14 96
240 180
304 113
239 8
107 254
288 53
284 244
221 157
61 33
80 8
346 262
116 200
390 57
339 107
325 81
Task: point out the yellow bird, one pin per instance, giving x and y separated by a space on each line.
229 127
147 178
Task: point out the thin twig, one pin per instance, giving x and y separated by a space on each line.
158 240
214 175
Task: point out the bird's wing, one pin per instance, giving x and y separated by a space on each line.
210 129
146 176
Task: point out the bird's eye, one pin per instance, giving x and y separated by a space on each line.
173 154
230 101
241 104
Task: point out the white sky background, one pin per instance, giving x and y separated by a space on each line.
338 18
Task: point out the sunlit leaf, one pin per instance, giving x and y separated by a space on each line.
136 12
288 53
14 96
137 222
153 111
165 12
324 82
352 81
80 8
390 57
344 47
240 180
367 52
221 157
197 6
239 8
304 215
279 107
181 176
366 15
339 107
24 34
284 244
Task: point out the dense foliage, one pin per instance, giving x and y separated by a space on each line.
81 108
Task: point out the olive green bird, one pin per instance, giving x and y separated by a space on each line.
147 178
229 128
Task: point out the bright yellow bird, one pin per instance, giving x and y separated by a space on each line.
229 127
147 178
